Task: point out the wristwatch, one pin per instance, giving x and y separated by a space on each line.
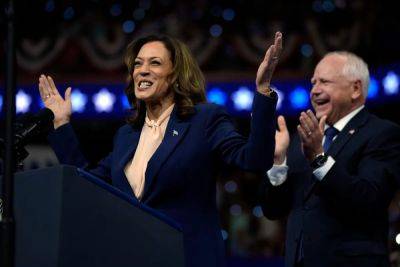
319 161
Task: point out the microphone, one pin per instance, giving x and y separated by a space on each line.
39 123
24 130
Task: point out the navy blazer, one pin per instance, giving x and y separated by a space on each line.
343 219
180 179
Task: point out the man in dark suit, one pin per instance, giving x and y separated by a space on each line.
338 175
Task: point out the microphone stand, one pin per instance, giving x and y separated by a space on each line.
7 233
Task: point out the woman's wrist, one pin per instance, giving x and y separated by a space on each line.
266 90
60 123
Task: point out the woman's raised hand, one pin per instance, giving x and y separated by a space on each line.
61 107
267 66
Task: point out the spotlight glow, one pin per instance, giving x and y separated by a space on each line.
257 211
230 187
398 239
391 83
125 102
23 101
224 234
128 26
281 97
217 96
373 88
228 14
243 98
307 50
215 30
299 98
103 100
78 100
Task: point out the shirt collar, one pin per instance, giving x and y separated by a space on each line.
340 124
162 117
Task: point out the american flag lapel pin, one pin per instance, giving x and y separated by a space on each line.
352 131
174 133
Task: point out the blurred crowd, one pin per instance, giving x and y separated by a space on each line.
75 37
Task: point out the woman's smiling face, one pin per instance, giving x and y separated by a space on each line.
151 73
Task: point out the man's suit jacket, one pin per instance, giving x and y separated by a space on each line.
343 219
181 176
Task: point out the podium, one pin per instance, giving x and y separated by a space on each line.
66 217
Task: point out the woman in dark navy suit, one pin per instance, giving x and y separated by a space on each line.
169 153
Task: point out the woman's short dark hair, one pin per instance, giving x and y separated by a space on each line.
188 82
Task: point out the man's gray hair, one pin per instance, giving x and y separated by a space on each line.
354 68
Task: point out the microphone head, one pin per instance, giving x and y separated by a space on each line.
44 117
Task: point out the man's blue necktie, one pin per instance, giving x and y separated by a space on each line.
330 133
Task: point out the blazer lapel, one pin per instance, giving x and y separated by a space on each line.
130 142
348 131
174 133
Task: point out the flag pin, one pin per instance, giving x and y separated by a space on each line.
174 132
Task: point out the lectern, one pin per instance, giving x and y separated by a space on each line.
66 217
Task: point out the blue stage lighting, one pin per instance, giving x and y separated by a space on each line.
257 212
281 97
391 83
78 100
103 100
41 103
228 14
328 6
217 96
299 98
1 102
23 101
243 98
125 102
128 26
231 186
224 234
373 88
215 30
307 50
